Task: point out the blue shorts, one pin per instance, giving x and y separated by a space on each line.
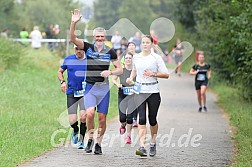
97 95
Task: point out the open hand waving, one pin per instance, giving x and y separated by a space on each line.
76 16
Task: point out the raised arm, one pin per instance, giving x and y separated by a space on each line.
76 16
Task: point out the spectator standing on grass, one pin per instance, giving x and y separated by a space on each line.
24 35
36 37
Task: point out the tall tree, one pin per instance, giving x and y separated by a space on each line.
139 13
7 13
28 13
184 12
164 8
225 29
106 13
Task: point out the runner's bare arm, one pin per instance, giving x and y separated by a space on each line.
116 71
61 79
193 72
209 73
118 68
130 79
60 74
114 81
76 16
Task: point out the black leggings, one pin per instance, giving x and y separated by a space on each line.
153 101
126 106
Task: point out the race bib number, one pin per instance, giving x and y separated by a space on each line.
137 88
128 90
201 77
78 93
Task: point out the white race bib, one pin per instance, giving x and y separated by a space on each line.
78 93
201 77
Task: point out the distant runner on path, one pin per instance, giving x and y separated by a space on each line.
202 72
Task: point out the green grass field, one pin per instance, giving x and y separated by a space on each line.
240 113
31 103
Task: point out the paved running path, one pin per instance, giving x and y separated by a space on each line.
207 136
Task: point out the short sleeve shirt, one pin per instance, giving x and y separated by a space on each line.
75 73
202 74
153 62
97 62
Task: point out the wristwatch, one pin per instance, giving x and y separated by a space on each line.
62 81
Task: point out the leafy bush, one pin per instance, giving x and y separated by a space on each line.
225 29
10 53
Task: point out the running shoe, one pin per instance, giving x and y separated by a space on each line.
141 151
98 149
89 146
122 130
128 140
152 152
200 109
135 124
80 145
74 137
205 109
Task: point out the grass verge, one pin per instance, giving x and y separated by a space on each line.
31 103
240 113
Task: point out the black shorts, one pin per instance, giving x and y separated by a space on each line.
198 84
178 59
73 102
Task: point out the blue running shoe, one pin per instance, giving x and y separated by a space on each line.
80 145
74 138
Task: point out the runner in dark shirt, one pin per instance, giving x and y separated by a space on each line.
96 92
202 72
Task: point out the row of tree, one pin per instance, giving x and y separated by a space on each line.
224 30
19 14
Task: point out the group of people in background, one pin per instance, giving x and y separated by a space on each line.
138 67
119 44
52 32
